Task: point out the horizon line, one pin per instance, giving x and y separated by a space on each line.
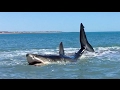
51 31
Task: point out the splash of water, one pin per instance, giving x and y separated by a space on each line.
18 56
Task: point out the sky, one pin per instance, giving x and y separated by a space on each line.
60 21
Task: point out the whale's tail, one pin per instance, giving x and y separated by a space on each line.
84 43
83 40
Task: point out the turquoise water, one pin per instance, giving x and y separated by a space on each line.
104 63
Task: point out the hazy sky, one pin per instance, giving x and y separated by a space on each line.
59 21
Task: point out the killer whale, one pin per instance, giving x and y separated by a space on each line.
35 59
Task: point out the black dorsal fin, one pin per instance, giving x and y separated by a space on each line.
61 49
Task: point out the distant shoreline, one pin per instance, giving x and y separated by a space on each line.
43 32
28 32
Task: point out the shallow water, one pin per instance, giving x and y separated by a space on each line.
102 64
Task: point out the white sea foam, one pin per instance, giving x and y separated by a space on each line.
18 56
104 53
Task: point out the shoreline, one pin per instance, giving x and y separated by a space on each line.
29 32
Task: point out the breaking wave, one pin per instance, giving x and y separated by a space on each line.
17 57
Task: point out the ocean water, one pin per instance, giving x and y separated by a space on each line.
104 63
